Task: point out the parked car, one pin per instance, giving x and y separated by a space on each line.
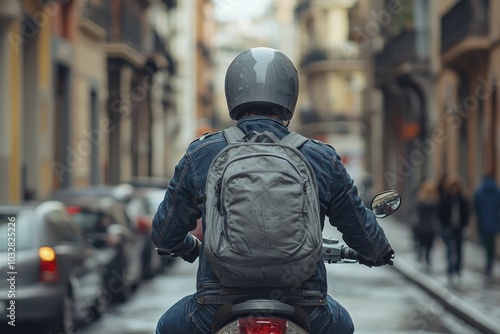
56 276
157 182
141 208
121 193
102 215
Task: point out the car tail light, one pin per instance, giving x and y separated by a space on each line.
143 224
266 325
48 265
73 210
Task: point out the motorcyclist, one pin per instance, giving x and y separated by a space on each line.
261 87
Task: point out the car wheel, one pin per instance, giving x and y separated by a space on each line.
101 303
64 321
155 261
151 263
167 262
123 289
147 271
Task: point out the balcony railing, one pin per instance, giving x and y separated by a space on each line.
130 25
466 18
409 46
345 52
97 11
302 6
170 3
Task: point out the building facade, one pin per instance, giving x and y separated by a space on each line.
404 85
434 94
332 80
11 159
79 93
468 89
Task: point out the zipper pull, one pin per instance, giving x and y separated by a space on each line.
304 190
218 187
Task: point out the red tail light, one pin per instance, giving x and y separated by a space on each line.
262 326
143 224
73 210
48 265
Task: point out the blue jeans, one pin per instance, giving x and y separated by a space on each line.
188 317
453 240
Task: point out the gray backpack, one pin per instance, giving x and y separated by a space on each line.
263 224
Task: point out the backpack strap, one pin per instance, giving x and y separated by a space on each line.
261 137
294 139
233 134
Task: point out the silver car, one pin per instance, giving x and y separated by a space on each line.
53 274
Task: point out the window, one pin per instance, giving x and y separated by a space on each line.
24 231
60 227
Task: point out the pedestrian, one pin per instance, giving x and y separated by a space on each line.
261 91
487 208
454 217
427 221
441 184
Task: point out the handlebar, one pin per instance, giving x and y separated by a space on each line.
332 252
162 252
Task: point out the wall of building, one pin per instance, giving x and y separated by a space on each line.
10 111
184 50
90 137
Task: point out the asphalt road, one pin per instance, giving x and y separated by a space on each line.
378 299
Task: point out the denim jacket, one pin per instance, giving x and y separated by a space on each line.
184 203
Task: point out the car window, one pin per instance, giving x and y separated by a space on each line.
60 227
93 222
120 215
23 233
135 207
87 220
154 200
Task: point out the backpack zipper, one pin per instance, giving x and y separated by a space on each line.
260 155
218 186
304 192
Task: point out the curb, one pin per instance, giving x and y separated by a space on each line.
448 299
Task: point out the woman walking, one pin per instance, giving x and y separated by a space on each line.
427 221
454 216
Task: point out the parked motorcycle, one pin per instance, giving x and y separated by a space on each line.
270 316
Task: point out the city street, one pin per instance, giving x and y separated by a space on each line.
108 107
379 300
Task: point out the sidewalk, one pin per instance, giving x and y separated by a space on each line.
476 299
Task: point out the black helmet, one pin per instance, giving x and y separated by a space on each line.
261 77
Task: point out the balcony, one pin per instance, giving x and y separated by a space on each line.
97 12
170 4
95 17
301 7
161 54
11 9
130 25
125 31
408 51
468 21
344 56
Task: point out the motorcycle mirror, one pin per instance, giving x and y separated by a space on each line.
385 203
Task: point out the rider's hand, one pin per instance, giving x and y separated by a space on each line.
387 259
193 253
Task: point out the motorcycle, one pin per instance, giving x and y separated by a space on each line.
270 316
